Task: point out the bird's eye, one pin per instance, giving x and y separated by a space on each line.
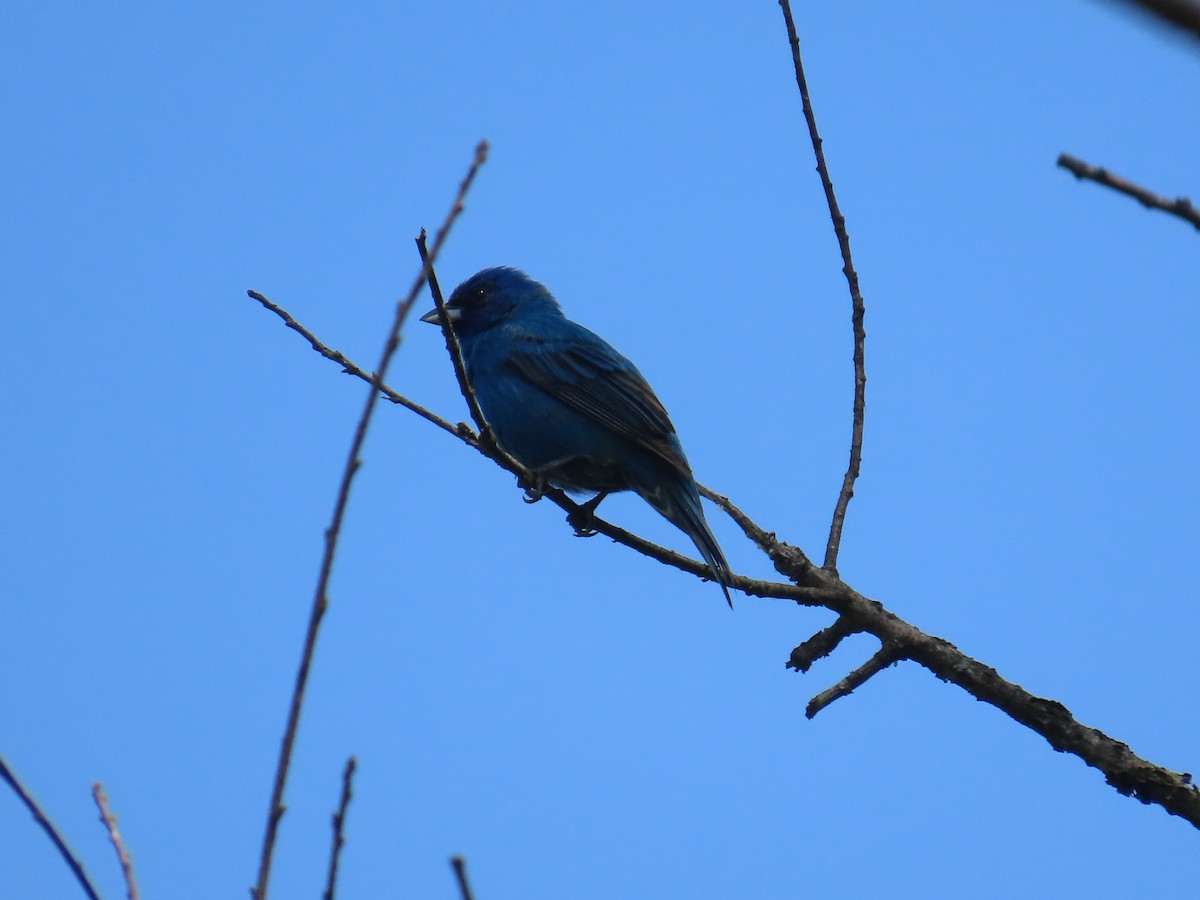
471 298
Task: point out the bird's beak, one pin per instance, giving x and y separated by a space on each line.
432 316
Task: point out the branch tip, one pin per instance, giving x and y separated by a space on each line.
820 645
459 865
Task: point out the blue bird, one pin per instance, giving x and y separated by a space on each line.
568 406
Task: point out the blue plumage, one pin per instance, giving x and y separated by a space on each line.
570 407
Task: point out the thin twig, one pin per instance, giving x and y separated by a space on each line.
759 536
460 873
41 818
339 825
110 823
452 345
859 309
1180 206
320 597
766 541
351 369
488 444
1183 14
856 679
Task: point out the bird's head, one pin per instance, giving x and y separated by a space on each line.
488 298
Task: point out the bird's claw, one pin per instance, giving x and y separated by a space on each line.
581 517
534 491
581 520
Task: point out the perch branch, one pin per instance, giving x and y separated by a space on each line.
350 368
320 597
858 309
43 820
1180 206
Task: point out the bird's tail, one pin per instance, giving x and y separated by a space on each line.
679 501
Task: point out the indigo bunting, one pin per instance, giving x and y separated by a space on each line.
569 407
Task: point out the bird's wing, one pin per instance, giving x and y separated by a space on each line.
593 379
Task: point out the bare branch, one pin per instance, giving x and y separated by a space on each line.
110 823
452 345
350 368
820 645
1180 206
339 824
1125 771
856 300
43 820
856 679
761 538
460 874
1183 14
320 597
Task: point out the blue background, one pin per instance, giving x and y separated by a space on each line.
575 719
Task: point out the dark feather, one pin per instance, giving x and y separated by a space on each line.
617 398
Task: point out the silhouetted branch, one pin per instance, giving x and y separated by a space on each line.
43 820
460 874
320 598
820 645
857 306
453 347
1125 771
1183 14
350 368
339 824
851 682
486 441
1180 206
110 824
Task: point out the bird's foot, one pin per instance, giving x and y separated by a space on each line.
581 518
534 490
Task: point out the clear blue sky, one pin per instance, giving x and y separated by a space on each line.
576 720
